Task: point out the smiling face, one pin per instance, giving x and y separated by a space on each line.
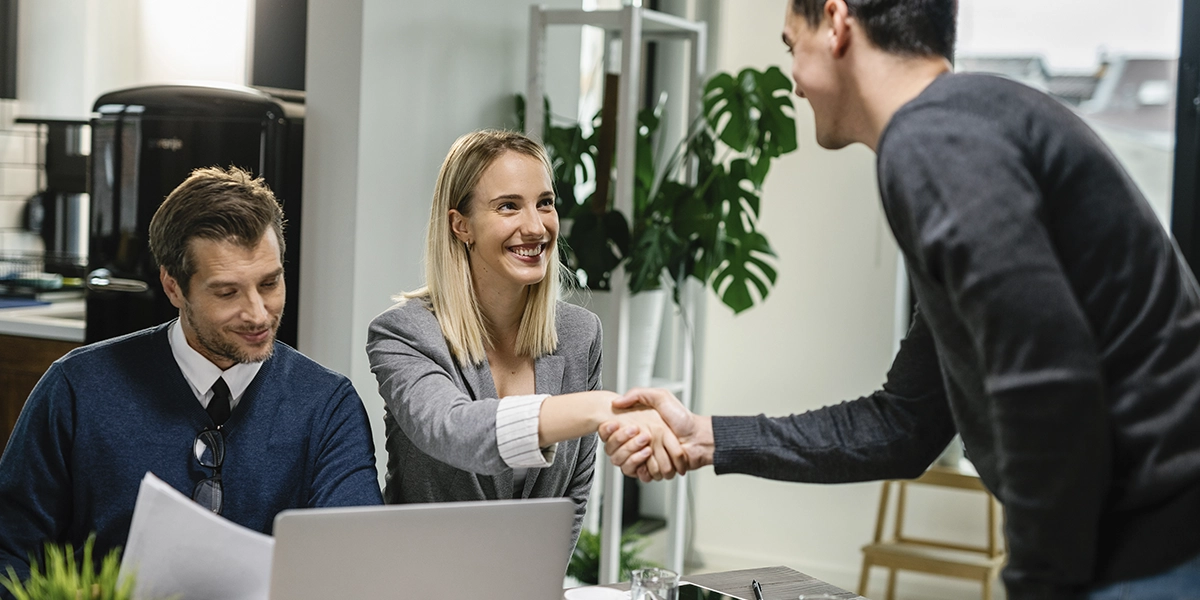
510 225
814 51
234 302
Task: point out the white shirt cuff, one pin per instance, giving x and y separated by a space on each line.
517 432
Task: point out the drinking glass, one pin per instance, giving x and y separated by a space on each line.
654 584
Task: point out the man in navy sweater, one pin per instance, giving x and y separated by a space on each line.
209 403
1058 328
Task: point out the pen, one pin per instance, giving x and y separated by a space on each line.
757 589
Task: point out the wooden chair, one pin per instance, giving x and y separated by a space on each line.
934 556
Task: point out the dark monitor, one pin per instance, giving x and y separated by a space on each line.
278 47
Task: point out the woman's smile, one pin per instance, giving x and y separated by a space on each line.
529 253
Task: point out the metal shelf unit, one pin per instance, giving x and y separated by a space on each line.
633 25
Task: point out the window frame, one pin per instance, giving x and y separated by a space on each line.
1185 201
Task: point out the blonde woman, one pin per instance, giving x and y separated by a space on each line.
492 384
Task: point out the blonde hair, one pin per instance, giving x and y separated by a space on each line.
448 285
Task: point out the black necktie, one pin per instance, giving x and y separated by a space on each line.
218 406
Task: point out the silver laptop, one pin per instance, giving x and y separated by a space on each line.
498 550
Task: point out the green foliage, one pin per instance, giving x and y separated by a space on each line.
753 112
679 229
62 579
585 561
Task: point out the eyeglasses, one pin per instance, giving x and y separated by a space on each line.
209 450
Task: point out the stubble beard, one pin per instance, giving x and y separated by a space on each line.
220 347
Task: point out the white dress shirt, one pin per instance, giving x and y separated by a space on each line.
201 373
517 437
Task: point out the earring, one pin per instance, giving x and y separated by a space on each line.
470 246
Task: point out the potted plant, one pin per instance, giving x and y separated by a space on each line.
707 230
60 578
585 560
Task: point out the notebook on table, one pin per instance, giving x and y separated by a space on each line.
498 550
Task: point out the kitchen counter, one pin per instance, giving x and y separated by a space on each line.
62 320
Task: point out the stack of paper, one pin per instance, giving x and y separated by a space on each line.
176 547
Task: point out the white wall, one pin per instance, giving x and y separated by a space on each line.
51 50
823 335
71 51
192 39
390 87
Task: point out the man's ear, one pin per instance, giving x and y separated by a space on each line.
459 226
171 287
840 22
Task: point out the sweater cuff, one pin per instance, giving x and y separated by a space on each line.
517 432
730 437
1042 591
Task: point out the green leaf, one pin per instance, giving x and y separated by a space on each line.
733 279
727 108
704 147
695 212
571 154
645 166
61 576
777 126
758 171
617 229
742 198
598 243
752 111
585 560
519 111
572 159
658 247
648 259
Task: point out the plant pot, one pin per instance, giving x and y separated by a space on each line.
646 311
645 325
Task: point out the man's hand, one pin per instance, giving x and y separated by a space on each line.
631 451
657 449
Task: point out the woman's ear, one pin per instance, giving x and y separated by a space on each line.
460 227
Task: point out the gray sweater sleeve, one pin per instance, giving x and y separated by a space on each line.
415 371
894 433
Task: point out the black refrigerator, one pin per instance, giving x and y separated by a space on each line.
145 142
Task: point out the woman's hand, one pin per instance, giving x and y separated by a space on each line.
630 450
658 454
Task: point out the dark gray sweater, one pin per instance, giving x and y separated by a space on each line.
1058 332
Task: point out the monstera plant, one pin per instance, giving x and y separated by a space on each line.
704 227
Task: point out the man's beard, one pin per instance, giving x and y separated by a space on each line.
218 346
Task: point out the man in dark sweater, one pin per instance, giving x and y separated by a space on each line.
1058 329
209 403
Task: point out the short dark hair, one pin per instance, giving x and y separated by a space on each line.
213 204
904 27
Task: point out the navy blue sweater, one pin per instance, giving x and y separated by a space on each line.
105 414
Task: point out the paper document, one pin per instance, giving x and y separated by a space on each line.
177 547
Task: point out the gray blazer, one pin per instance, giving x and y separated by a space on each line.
441 416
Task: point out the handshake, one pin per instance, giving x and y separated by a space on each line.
652 436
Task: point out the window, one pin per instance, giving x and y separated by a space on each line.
1113 62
